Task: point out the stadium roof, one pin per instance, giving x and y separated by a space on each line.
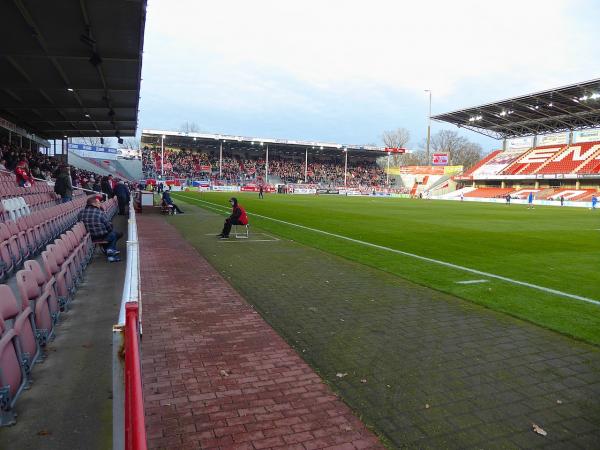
71 68
211 141
568 108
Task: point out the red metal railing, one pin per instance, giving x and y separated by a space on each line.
135 428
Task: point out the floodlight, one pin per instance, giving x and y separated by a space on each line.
87 115
550 105
70 89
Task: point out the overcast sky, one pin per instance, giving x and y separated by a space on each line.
345 71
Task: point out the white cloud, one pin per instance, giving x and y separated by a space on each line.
338 45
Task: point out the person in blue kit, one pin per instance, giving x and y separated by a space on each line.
594 201
530 201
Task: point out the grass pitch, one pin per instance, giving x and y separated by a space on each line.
554 248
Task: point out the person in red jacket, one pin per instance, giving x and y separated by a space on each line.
22 172
238 217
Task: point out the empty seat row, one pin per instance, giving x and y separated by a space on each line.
45 290
28 235
15 207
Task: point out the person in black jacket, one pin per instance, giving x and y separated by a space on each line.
106 186
166 198
122 194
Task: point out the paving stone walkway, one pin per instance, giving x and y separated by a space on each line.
438 371
215 374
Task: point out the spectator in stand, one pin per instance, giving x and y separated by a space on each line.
22 172
106 187
167 200
96 186
3 164
238 217
63 185
122 194
100 228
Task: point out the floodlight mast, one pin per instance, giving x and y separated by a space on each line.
346 168
305 164
162 156
428 127
267 166
220 160
387 173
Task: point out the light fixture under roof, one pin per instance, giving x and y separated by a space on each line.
70 89
87 115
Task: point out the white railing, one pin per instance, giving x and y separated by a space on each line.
128 432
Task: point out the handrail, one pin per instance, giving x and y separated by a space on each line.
51 183
129 431
135 429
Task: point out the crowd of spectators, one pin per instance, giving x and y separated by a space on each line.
189 165
30 164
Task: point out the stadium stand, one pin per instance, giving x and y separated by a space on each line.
489 192
484 161
44 252
187 164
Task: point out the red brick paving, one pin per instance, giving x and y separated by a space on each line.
215 374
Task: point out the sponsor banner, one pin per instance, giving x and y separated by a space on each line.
304 191
94 152
426 170
225 188
395 150
251 187
440 159
201 183
197 188
587 136
553 139
328 191
526 142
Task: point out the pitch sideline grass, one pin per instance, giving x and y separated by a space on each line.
552 247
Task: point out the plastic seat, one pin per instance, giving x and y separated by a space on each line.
45 305
23 325
12 377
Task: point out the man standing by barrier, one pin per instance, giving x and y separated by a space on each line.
238 217
122 194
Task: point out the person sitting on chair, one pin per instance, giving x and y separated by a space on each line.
169 201
100 228
238 217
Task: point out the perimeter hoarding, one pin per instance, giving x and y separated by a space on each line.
440 159
92 151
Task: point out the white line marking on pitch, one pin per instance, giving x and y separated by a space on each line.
471 281
422 258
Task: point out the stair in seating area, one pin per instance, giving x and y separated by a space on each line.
540 169
510 169
590 165
484 161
